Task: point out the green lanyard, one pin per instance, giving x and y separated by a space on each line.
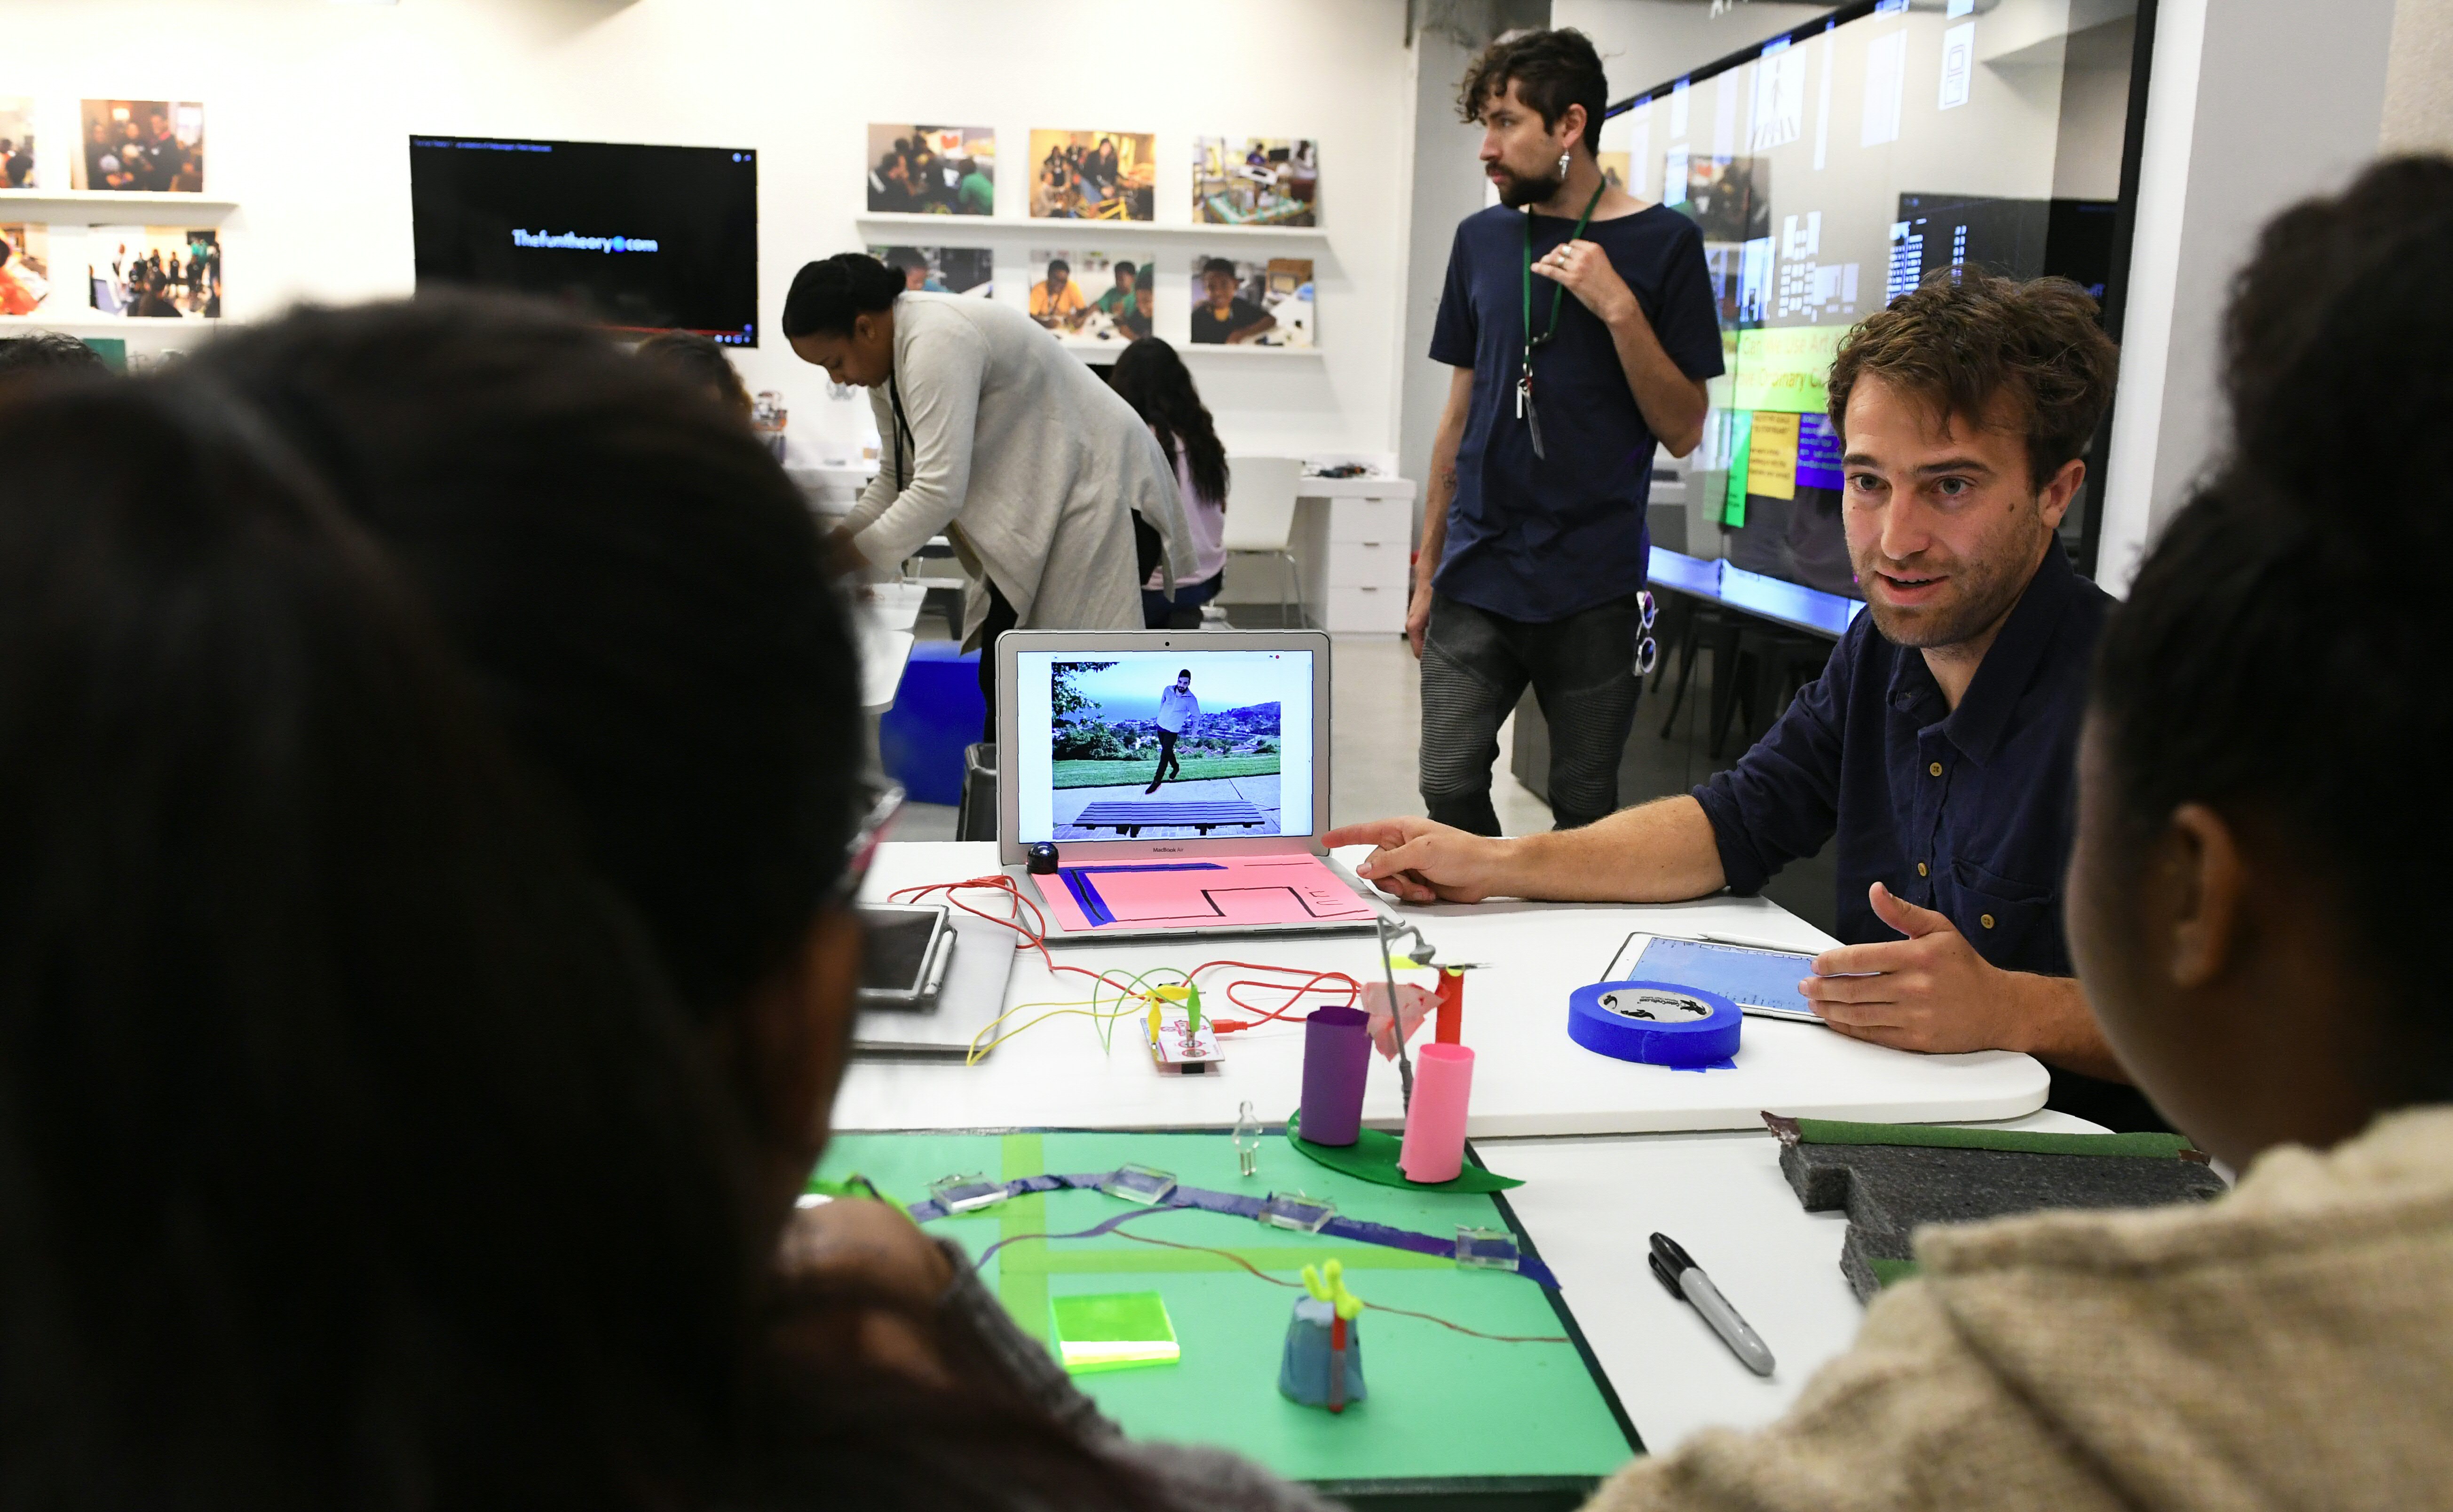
1524 377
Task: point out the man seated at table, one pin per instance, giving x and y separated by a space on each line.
1937 746
2257 909
1056 301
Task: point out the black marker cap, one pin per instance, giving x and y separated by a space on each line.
1667 1250
1669 1282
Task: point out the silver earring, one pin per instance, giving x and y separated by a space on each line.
1562 165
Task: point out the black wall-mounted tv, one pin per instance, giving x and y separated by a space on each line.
639 238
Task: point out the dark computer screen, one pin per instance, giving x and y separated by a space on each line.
641 238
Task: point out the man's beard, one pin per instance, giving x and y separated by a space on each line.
1982 598
1518 191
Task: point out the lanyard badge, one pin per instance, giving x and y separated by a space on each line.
1525 408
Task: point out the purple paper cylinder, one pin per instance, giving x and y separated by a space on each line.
1434 1148
1337 1056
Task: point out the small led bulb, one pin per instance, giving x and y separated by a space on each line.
1248 1140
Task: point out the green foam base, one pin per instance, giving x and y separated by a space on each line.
1372 1157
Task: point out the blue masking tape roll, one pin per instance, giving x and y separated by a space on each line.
1658 1023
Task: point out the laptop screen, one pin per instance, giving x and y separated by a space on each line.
1163 744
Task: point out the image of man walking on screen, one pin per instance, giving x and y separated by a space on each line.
1179 715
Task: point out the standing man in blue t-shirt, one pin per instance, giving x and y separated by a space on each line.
1533 540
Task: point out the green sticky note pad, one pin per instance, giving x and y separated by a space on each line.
1114 1330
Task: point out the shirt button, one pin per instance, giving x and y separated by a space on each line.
1920 868
1984 918
1935 769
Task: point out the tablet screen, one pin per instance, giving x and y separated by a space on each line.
1747 977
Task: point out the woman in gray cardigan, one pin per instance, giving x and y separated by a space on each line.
1002 440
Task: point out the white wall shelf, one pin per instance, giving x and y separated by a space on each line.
1078 230
86 322
109 207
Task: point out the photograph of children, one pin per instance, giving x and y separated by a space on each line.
17 143
1088 297
1252 304
933 170
1147 730
153 144
942 270
1093 176
25 268
1255 181
154 273
1728 197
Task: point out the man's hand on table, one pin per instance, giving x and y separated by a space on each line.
1934 994
1416 861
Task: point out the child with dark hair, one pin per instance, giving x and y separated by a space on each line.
1222 317
689 355
431 749
2257 916
1152 378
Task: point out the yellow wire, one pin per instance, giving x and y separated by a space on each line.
1127 1000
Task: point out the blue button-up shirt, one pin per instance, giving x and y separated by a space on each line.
1967 812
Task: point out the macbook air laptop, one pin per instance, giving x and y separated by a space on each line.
1181 777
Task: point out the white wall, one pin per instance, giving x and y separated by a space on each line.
310 104
2252 104
1647 42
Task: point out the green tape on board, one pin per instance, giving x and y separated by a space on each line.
1372 1157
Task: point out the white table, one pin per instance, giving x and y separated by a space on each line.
882 620
1592 1205
1529 1079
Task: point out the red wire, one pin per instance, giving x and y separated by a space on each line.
1033 936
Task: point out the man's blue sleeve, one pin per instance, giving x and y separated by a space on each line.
1455 332
1781 800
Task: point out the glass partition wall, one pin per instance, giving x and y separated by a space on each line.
1834 166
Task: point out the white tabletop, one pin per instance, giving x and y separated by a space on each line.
884 650
1529 1078
1591 1207
1366 487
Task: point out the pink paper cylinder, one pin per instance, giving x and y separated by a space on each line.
1434 1149
1337 1057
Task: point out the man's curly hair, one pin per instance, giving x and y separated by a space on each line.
1959 342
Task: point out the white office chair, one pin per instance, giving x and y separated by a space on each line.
1260 517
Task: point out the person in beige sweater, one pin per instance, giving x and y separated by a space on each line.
2255 917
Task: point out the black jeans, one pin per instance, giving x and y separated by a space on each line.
1475 668
1166 757
1001 619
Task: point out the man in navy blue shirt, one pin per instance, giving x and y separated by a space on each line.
1937 744
1533 542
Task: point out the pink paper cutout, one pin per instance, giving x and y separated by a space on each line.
1279 890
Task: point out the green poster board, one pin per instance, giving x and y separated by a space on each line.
1449 1414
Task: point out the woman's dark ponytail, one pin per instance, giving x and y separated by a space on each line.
828 295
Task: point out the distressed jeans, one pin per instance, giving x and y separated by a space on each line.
1476 666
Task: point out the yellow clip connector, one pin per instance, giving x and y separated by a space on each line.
1183 992
1328 1283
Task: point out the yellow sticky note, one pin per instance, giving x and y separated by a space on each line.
1771 456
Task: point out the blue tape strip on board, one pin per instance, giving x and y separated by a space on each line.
1658 1023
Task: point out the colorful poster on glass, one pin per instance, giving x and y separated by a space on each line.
1088 297
154 273
970 271
1254 304
155 145
1092 176
1255 181
931 170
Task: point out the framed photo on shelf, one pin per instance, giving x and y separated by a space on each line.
154 273
1093 175
1252 304
155 145
931 170
942 270
17 165
1089 299
25 278
1255 181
